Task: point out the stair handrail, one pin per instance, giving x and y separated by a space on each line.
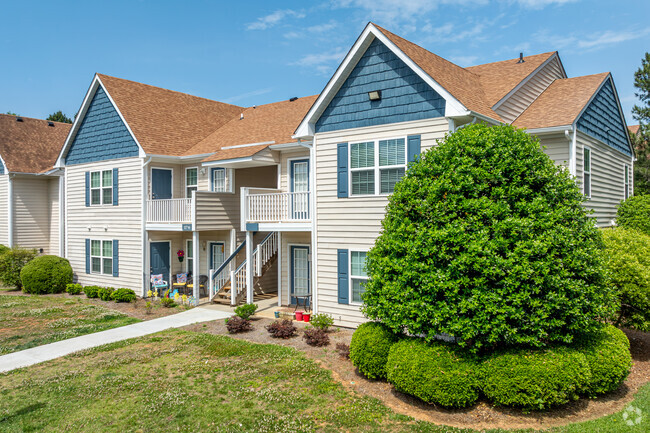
214 275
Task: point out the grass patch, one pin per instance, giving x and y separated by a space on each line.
29 321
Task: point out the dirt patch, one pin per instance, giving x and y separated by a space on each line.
480 416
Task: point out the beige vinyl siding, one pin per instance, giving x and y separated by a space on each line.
557 148
285 166
4 210
288 239
32 213
352 223
512 107
122 222
53 192
607 177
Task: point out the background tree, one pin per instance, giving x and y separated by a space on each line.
11 113
641 141
59 117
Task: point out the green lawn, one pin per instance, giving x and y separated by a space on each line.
189 382
28 321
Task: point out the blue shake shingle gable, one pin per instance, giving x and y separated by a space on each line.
2 168
102 134
602 120
404 95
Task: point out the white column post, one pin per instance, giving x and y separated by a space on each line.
249 267
196 262
280 267
61 178
10 211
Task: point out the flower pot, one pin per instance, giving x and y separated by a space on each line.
306 316
277 314
180 259
299 316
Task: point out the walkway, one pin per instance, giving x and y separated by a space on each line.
50 351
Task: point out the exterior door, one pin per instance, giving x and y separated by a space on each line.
300 185
161 184
300 278
159 256
217 254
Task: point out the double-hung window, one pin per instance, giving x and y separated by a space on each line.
586 173
191 181
189 256
358 275
627 181
101 187
101 257
376 166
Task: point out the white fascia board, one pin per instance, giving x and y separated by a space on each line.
453 107
4 164
525 80
549 130
237 146
228 161
185 158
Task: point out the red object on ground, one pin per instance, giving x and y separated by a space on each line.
299 316
306 316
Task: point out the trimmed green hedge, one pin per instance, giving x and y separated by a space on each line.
92 291
12 262
634 213
535 379
369 349
435 372
3 249
46 274
608 354
105 293
123 295
74 289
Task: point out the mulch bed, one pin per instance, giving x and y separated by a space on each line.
480 416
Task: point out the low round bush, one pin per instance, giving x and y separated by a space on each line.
322 321
607 352
316 337
73 289
434 372
369 349
3 249
105 293
246 311
123 295
628 260
236 325
167 302
535 379
634 213
12 262
46 274
92 291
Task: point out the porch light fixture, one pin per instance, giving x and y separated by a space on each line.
374 95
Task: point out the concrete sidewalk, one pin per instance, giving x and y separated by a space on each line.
35 355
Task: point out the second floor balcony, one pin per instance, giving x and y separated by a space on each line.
273 209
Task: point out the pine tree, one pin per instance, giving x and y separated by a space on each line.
59 117
641 141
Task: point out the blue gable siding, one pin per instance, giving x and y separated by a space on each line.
2 168
102 134
602 115
404 95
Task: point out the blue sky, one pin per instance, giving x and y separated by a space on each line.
256 52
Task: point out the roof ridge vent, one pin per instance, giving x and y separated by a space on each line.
295 98
241 116
521 58
19 119
50 123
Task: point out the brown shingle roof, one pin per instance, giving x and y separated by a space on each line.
561 103
271 122
499 78
461 83
166 122
30 146
633 128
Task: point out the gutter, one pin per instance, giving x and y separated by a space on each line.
10 210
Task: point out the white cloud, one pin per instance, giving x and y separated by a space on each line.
273 19
315 30
322 63
592 42
540 4
611 37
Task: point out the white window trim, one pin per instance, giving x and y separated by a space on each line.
354 277
626 181
229 175
190 186
100 188
209 251
188 269
101 257
375 168
589 172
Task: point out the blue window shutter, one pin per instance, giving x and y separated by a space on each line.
115 183
413 148
116 264
344 282
87 255
342 169
87 188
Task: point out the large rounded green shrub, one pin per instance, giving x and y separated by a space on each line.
3 249
535 379
486 239
628 259
434 372
12 262
369 349
607 352
46 274
634 213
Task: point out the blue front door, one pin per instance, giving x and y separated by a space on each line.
300 281
159 259
161 184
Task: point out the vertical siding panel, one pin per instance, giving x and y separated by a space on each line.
32 212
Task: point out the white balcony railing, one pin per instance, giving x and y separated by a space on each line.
173 210
277 207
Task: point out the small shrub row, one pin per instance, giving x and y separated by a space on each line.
282 329
237 324
316 337
12 261
91 291
74 288
110 294
437 372
246 311
322 321
123 295
168 302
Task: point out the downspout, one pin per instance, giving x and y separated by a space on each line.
10 211
145 255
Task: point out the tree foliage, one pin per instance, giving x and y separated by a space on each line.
641 140
59 117
485 239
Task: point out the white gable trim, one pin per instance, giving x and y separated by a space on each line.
4 164
453 107
531 75
82 113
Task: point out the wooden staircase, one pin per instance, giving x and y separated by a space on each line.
224 296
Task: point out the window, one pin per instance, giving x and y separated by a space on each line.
372 163
627 181
586 176
101 257
191 181
101 187
358 276
189 256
